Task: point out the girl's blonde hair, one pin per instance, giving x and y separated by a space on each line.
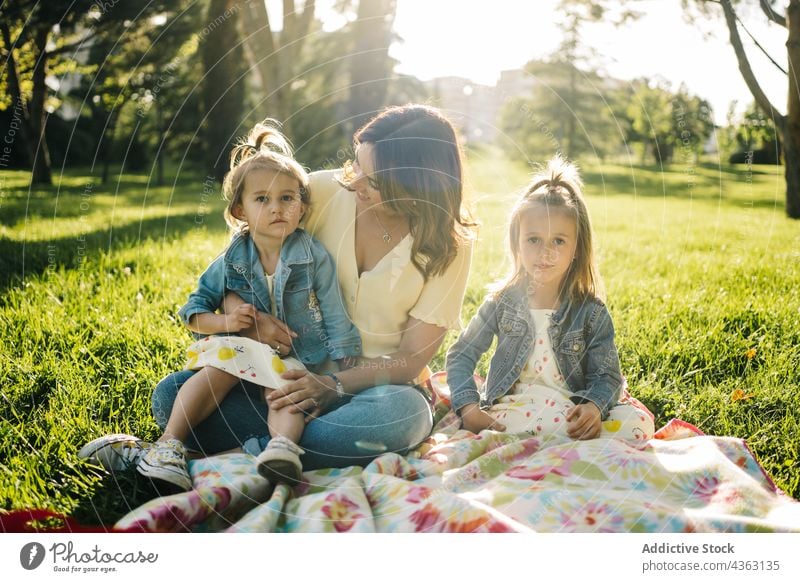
558 186
264 148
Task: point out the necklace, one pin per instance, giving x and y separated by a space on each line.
387 236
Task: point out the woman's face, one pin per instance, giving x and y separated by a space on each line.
364 184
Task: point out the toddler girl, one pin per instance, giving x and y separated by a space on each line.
556 368
276 268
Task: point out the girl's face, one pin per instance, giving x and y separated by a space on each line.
547 242
270 204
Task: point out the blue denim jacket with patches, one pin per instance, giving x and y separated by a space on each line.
307 294
582 337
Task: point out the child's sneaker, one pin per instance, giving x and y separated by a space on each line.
280 461
115 452
166 461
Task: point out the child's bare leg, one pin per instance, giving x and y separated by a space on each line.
280 461
285 423
196 400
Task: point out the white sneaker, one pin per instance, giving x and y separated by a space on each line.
280 461
166 461
115 452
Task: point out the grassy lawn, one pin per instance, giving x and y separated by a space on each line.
701 267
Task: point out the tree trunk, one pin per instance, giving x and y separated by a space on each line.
223 86
162 140
276 57
370 66
32 125
572 97
791 127
38 144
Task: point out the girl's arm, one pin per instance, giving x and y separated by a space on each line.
603 375
198 314
314 393
463 356
207 323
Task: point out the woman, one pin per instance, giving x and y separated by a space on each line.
396 227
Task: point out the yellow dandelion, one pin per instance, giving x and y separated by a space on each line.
739 394
750 354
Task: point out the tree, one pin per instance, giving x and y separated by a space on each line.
223 86
40 39
573 58
573 106
275 56
147 67
663 121
26 28
370 65
562 114
756 131
788 125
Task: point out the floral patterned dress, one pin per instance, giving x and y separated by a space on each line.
540 400
241 357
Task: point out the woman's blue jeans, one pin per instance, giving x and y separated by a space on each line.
390 418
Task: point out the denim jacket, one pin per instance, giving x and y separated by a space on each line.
307 295
582 337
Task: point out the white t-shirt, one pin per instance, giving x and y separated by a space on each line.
541 368
271 287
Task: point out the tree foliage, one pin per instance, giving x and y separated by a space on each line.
787 17
666 122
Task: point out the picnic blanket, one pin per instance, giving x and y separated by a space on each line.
456 481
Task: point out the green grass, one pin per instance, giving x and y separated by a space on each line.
700 265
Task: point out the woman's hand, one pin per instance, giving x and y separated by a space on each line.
310 393
475 420
583 422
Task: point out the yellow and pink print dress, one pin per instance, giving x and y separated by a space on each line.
540 400
241 357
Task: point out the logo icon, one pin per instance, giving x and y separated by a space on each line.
31 555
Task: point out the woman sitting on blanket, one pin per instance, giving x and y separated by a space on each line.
394 223
556 368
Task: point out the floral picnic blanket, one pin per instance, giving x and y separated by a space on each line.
456 481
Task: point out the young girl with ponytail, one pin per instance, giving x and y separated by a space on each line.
275 268
556 368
